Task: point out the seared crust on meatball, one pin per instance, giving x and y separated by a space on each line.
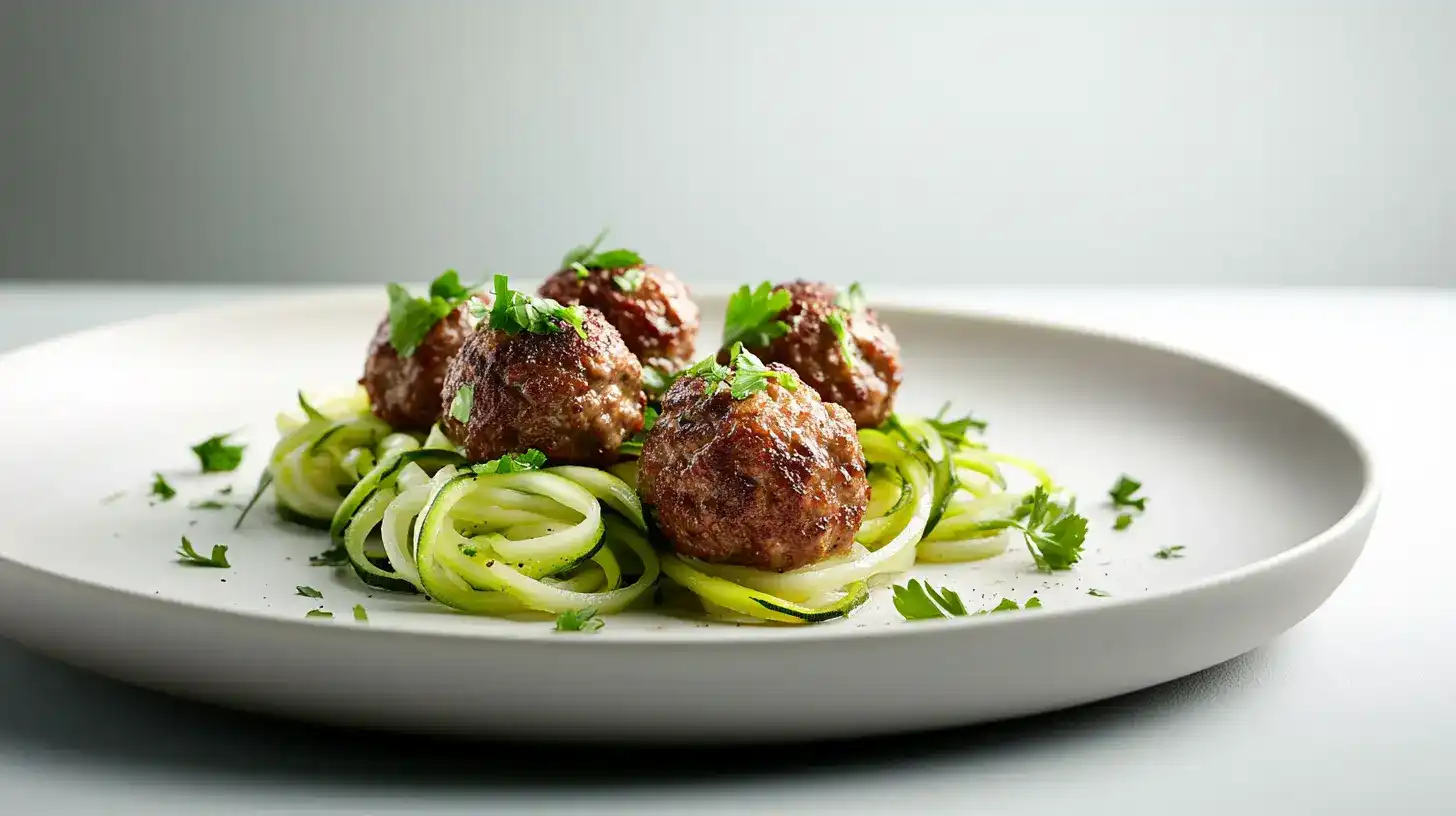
405 391
866 385
575 400
658 319
775 481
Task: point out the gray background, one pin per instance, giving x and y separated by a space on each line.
1241 141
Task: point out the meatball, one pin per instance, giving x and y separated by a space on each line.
576 400
653 312
865 384
405 391
774 481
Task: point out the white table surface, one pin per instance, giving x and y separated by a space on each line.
1354 710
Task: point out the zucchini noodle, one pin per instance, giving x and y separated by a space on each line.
412 515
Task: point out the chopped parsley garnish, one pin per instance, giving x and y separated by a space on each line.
332 557
852 300
752 316
318 613
955 431
462 403
161 489
583 620
630 280
1175 551
1099 593
208 504
515 312
187 555
585 258
411 318
917 601
1123 521
532 459
359 614
113 497
217 456
633 446
839 323
1054 534
1122 493
309 592
751 376
708 369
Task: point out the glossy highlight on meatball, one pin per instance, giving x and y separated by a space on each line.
404 388
774 480
545 386
840 348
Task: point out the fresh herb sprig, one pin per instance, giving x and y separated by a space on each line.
411 318
753 315
745 374
215 455
188 555
532 459
921 601
515 312
579 620
585 258
955 432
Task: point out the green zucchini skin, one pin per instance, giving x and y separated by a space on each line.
382 477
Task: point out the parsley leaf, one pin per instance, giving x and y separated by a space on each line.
751 376
359 614
839 324
955 431
309 592
1053 534
188 555
208 504
584 258
914 603
709 370
515 312
332 557
1121 493
633 446
411 318
161 489
656 382
917 601
584 620
1175 551
1123 522
630 280
532 459
852 300
318 613
752 316
447 287
463 402
1099 593
217 456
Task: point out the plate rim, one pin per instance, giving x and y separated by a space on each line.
898 298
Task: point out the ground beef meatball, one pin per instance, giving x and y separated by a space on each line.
657 318
575 400
405 391
775 481
865 385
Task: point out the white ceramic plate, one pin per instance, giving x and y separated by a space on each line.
1271 499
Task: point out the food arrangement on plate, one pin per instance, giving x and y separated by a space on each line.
568 452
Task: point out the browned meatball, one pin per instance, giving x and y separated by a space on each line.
775 481
657 317
865 384
405 391
575 400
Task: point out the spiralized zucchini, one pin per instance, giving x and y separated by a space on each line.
507 538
